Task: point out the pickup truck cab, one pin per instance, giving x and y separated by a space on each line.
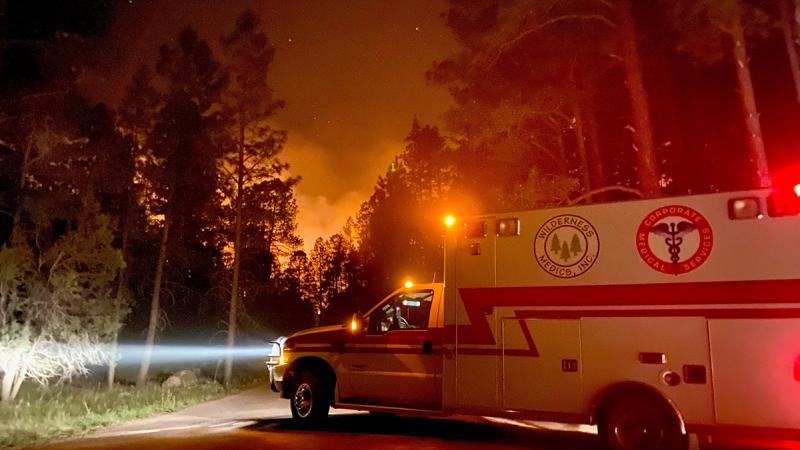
388 359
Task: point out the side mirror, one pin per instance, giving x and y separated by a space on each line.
356 326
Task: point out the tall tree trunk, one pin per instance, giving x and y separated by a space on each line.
755 142
583 157
237 250
588 89
23 174
640 109
788 25
21 374
7 385
121 282
154 306
112 363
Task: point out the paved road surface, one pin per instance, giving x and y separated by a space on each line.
257 419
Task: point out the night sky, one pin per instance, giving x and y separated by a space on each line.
352 73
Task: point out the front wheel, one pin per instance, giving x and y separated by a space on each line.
309 402
641 423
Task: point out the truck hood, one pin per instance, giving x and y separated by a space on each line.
317 330
319 335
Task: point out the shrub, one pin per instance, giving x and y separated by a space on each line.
42 413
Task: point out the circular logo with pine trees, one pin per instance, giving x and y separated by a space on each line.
566 246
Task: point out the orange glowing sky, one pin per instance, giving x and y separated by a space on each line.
352 73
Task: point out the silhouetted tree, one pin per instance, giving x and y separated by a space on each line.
523 81
249 103
183 157
715 30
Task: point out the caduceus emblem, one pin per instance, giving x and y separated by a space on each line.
673 236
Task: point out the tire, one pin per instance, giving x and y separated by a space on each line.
309 400
641 422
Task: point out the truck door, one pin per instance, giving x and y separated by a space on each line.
397 362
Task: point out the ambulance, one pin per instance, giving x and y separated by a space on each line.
653 319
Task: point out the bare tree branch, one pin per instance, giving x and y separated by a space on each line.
5 143
722 27
43 94
601 190
508 45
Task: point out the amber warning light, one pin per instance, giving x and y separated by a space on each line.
355 323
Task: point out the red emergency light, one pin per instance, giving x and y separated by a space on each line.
784 203
785 197
797 368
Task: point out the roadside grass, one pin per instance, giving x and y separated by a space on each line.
249 377
45 413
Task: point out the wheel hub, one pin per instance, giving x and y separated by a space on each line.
639 433
303 400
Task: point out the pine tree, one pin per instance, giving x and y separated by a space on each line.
255 163
182 172
575 245
565 251
555 244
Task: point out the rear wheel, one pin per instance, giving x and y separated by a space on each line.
640 422
309 401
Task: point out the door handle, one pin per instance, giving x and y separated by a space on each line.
427 347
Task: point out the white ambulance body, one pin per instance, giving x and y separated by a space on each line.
727 317
645 317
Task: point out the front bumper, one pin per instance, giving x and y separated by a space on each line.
276 373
